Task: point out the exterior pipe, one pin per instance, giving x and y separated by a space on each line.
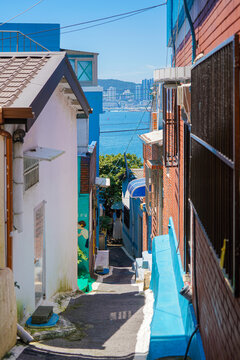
9 157
192 30
18 186
195 287
172 34
24 335
179 169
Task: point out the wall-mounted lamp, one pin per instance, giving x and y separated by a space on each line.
186 292
18 135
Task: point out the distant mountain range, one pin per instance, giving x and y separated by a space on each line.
118 84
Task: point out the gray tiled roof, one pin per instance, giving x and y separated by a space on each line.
138 173
15 74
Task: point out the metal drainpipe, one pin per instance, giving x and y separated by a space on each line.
179 168
173 40
133 230
18 186
192 30
9 174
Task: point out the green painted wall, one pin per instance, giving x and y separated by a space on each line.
83 228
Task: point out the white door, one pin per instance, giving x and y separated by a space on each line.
39 252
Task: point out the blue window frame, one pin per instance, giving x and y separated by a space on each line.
84 70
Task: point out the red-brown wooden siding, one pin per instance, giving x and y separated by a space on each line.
219 310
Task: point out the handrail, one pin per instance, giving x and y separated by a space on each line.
19 33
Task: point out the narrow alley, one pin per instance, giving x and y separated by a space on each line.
109 319
120 173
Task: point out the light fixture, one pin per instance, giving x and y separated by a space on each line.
186 292
18 135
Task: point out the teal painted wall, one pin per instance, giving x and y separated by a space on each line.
83 230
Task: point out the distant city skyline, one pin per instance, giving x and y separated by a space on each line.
129 49
118 98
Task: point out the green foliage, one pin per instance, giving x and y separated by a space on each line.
105 222
81 256
113 167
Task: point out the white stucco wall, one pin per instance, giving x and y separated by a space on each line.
82 135
56 127
2 204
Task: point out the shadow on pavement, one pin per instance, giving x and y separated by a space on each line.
118 258
107 320
98 317
119 277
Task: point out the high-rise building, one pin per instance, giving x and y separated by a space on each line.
138 92
146 86
111 93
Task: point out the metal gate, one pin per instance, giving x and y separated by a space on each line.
187 131
214 184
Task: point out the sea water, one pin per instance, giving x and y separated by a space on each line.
119 132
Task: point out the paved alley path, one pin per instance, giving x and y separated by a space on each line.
108 319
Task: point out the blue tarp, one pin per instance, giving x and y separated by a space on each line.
51 322
136 188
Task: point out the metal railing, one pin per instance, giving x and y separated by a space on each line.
214 173
170 127
16 41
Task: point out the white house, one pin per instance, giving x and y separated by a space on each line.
43 89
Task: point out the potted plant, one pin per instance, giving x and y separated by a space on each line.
105 223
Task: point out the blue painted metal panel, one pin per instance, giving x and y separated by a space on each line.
167 331
173 319
49 39
175 9
94 99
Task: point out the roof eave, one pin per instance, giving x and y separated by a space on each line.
15 115
64 69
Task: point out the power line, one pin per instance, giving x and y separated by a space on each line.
125 130
23 12
137 128
103 23
123 15
104 18
115 124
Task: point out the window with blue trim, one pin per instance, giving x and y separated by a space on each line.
84 70
72 62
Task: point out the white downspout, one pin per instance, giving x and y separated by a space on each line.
133 230
18 186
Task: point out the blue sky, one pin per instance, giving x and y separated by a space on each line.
129 49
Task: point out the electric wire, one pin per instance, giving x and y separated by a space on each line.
100 19
21 13
122 15
129 123
137 128
139 123
116 131
105 22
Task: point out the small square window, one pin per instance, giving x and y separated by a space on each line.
31 172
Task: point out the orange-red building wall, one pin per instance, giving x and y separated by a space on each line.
222 22
219 310
173 194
